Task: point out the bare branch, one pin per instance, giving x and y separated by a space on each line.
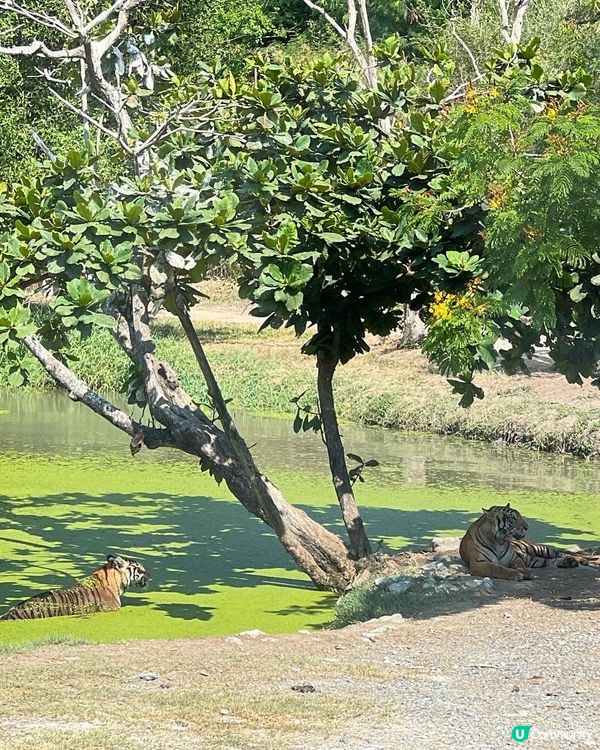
76 16
459 91
512 33
91 120
51 22
7 32
466 48
80 391
39 48
118 5
366 24
330 19
42 146
519 20
505 25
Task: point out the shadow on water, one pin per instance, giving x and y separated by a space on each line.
195 545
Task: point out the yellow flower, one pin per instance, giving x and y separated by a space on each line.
470 108
440 310
552 113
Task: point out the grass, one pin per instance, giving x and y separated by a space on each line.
49 640
366 602
263 372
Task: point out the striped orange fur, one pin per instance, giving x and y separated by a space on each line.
495 546
99 592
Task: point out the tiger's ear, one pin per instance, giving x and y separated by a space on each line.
507 505
115 561
486 510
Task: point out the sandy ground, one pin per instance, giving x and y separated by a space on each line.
460 677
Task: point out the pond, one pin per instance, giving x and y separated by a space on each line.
70 493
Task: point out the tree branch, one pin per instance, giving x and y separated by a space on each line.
504 23
330 19
39 48
466 48
519 20
88 118
51 22
80 391
120 6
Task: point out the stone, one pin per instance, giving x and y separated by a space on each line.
148 676
234 639
487 584
396 617
401 586
307 688
445 543
251 633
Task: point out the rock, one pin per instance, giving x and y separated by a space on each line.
304 688
401 586
396 617
234 639
487 584
445 543
148 676
433 565
305 632
251 633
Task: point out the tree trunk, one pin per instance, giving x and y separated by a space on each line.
359 542
413 329
317 551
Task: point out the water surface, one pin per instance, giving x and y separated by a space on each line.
70 493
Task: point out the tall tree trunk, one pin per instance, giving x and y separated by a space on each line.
359 542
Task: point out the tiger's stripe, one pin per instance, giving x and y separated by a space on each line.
99 592
495 546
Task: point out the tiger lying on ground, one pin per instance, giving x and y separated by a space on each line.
495 546
99 592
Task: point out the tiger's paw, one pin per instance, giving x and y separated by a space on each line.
568 561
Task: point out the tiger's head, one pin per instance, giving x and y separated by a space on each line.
130 572
507 523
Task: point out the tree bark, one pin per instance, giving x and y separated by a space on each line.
317 551
413 329
359 542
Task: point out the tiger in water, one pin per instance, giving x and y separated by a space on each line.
99 592
495 546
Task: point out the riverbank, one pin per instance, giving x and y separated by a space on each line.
394 389
461 680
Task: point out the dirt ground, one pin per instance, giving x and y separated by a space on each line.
459 676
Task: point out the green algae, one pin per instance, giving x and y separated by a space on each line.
70 494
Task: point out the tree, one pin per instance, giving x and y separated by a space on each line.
333 220
529 156
112 256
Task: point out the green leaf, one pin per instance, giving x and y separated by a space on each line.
332 238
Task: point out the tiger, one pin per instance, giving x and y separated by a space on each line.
99 592
495 546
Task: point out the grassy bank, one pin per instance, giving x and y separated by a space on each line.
263 372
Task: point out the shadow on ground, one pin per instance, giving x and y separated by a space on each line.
194 544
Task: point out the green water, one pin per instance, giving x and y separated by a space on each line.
70 493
